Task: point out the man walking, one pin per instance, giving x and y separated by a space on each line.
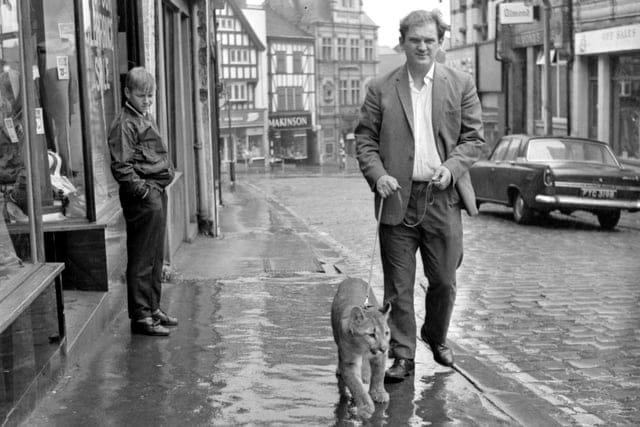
419 132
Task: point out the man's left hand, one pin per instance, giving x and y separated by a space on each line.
442 177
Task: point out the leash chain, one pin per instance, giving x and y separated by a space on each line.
373 254
429 199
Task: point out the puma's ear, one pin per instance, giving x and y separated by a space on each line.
386 309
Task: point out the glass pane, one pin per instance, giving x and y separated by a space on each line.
99 40
15 248
58 126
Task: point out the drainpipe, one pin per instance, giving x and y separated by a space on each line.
546 94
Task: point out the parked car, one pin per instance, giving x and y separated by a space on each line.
539 174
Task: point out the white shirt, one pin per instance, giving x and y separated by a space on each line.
426 157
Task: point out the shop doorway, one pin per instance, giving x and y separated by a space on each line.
179 119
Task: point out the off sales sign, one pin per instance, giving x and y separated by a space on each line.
515 13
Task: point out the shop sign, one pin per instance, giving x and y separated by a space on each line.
515 13
243 118
614 39
298 121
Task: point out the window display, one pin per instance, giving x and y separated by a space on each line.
57 111
101 87
626 106
14 246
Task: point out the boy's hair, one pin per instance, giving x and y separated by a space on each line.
139 78
420 17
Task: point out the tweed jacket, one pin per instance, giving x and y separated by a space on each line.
385 141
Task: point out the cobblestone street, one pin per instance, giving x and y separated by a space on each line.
554 306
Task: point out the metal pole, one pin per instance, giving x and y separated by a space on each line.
546 94
232 145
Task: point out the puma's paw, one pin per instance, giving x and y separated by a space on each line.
379 396
365 410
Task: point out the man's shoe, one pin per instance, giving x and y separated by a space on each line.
148 326
441 353
400 369
164 318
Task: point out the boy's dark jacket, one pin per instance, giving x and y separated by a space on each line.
139 157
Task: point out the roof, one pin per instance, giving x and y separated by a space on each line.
245 24
308 11
279 26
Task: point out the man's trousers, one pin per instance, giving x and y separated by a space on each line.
436 230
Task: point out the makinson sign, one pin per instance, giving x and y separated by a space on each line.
299 121
515 13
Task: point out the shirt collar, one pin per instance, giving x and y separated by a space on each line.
428 77
134 109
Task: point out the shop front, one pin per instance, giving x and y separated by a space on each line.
290 136
608 63
62 228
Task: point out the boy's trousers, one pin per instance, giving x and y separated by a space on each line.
146 225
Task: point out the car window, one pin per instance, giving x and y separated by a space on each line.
501 149
546 149
569 150
512 150
584 151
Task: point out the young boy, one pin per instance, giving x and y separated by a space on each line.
141 165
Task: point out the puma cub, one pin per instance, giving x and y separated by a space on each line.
362 336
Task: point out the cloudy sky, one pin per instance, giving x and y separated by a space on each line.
387 14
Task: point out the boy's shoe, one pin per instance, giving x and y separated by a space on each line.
148 326
163 318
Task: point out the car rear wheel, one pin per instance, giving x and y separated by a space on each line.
522 213
609 219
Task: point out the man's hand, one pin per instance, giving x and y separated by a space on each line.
442 177
386 186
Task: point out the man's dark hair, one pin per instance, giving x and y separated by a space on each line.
420 17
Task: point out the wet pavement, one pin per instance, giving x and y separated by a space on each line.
545 328
254 345
552 309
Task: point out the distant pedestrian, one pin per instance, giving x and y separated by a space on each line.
419 132
141 165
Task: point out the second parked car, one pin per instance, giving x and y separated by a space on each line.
539 174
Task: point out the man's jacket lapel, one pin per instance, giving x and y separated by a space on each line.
404 93
438 97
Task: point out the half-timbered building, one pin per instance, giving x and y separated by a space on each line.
346 45
291 74
243 109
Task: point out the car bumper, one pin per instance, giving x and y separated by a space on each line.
583 202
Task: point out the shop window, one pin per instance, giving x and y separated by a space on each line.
15 223
626 106
290 144
101 91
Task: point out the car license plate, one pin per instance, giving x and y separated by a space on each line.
598 193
